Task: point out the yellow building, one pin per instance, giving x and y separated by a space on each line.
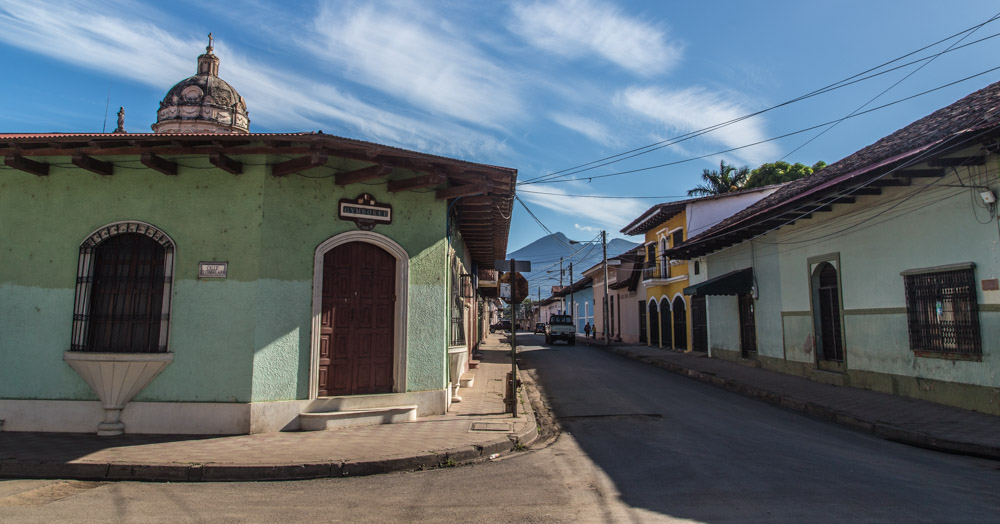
671 319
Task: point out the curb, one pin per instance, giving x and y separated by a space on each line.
219 472
880 429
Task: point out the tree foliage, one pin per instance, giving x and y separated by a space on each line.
728 178
780 172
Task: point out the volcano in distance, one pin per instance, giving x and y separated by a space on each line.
544 255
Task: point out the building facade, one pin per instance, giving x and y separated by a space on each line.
232 282
879 272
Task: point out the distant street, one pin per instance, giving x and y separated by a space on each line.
639 444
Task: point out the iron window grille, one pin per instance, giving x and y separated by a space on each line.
465 284
942 312
123 290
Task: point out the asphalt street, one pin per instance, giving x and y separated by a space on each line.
637 444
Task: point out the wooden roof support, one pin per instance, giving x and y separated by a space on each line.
416 182
27 165
958 161
919 173
315 159
226 163
93 165
365 173
158 163
867 190
460 191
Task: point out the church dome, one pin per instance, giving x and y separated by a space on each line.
203 103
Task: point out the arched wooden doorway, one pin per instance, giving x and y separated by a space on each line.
654 324
680 323
827 317
665 323
356 347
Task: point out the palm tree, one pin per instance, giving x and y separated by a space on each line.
728 178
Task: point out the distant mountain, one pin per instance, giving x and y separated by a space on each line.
544 255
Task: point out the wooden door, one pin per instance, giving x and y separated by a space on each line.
699 323
829 314
357 321
748 326
680 324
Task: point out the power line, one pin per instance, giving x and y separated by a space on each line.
772 139
836 85
886 90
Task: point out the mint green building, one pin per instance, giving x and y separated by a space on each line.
204 279
880 271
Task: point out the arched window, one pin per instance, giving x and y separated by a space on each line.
123 290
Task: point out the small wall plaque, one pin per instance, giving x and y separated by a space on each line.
365 211
213 269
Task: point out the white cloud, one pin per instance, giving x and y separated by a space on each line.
574 28
690 109
591 129
610 213
127 44
421 61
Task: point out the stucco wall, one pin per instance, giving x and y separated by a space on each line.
876 239
211 215
871 243
240 339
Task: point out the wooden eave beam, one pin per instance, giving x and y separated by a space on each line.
27 165
919 173
416 182
93 165
302 163
109 144
365 173
891 182
460 191
977 160
226 163
867 190
158 163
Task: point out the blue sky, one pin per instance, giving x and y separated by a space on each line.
540 86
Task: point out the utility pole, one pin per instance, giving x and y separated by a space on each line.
572 305
562 298
604 252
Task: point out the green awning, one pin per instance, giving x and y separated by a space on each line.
733 283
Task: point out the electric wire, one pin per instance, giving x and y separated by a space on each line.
772 139
836 85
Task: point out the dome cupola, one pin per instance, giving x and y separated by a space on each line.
203 103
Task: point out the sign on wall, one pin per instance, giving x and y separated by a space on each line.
365 211
213 269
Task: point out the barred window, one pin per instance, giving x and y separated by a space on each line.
123 290
941 310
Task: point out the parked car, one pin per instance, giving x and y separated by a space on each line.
540 327
560 327
503 325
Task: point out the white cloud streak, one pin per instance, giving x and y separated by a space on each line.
591 129
128 45
577 28
693 108
611 213
421 61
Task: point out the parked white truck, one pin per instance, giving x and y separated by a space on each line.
560 327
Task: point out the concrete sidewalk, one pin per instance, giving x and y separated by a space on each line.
473 430
910 421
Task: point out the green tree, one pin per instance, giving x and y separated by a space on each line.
780 172
727 179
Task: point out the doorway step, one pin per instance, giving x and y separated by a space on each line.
467 380
357 417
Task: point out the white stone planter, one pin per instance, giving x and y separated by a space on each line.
458 357
116 378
